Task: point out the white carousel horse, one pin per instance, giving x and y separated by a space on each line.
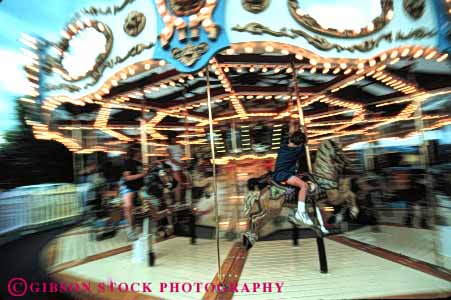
326 180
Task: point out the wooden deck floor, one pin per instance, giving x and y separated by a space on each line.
353 272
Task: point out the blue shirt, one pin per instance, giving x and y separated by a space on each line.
287 158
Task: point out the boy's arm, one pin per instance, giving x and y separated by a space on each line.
293 129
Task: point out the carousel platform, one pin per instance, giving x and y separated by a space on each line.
359 266
415 243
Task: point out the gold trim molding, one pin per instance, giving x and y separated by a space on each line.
414 8
135 50
325 45
182 8
190 54
310 23
63 46
255 6
62 86
134 23
187 29
108 11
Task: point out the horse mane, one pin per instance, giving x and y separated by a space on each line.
330 160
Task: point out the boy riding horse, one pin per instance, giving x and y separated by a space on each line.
290 151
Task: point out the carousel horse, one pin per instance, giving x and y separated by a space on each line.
158 201
326 183
155 195
329 170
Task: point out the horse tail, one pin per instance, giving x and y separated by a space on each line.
259 182
252 183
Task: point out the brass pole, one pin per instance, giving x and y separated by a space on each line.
77 160
233 136
213 157
188 191
316 211
187 144
301 116
143 123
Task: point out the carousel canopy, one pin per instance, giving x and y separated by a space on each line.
151 64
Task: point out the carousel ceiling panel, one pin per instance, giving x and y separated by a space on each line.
431 67
440 103
377 89
164 92
77 109
439 81
125 115
353 93
62 114
86 117
131 132
139 77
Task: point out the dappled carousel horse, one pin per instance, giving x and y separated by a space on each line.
326 183
155 196
157 199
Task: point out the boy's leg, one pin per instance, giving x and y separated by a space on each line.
301 216
128 213
178 190
302 195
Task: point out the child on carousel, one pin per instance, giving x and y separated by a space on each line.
178 166
292 149
132 180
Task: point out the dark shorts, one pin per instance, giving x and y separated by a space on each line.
282 176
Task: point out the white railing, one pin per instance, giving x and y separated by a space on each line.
33 207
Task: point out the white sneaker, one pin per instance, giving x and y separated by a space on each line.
324 230
132 236
301 219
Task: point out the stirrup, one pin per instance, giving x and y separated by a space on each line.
249 239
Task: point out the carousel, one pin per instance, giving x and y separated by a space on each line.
228 80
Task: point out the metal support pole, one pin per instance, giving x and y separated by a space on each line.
187 145
234 163
143 128
319 239
188 192
145 157
295 235
213 157
193 228
77 160
424 162
233 136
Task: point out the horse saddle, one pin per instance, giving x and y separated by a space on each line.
276 190
291 192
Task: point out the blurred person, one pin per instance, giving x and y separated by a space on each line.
416 195
290 151
92 184
175 152
91 168
132 180
201 183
